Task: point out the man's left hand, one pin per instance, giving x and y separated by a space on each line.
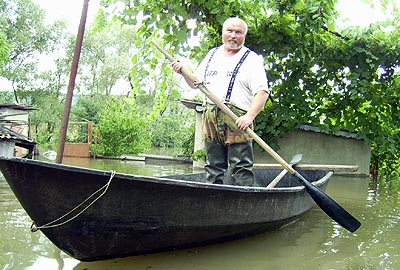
244 121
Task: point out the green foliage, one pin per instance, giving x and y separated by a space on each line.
46 119
4 49
122 130
77 132
6 97
89 107
23 25
199 155
106 55
174 130
319 76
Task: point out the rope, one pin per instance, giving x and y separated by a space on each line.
51 224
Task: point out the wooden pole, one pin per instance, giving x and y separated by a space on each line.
71 84
90 132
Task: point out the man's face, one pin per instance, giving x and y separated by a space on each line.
233 35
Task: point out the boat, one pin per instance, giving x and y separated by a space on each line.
96 215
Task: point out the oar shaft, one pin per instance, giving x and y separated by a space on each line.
270 151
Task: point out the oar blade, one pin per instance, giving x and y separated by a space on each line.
296 159
329 206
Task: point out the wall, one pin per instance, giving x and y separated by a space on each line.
320 148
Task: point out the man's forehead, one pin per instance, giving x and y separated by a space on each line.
234 25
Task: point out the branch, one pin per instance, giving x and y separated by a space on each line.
335 33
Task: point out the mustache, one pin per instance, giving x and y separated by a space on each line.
233 44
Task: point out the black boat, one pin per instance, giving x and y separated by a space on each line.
94 215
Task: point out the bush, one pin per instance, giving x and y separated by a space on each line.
122 130
174 130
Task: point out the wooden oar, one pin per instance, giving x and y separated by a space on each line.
324 167
295 159
326 203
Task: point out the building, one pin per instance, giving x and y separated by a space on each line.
14 130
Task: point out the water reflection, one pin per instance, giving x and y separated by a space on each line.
313 241
160 168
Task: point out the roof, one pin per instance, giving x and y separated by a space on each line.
341 133
18 107
8 134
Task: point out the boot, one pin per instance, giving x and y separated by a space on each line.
240 158
216 164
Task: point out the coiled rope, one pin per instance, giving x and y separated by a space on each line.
53 223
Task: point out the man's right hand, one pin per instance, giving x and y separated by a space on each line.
177 66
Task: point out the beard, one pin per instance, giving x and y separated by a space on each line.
233 44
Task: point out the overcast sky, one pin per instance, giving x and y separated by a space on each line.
70 10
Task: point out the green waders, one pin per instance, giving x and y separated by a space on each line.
226 145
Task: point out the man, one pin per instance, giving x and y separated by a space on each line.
236 75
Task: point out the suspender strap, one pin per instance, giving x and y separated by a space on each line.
235 72
209 61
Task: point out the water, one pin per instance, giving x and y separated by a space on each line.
313 241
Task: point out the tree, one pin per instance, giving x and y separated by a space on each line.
336 80
89 107
28 36
172 129
4 49
105 59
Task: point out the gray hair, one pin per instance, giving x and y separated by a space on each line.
236 19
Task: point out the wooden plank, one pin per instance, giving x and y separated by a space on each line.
336 168
77 150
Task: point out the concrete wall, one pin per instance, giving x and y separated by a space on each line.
7 148
320 148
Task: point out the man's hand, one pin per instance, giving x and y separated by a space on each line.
177 66
244 121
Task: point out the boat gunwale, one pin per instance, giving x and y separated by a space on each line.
165 180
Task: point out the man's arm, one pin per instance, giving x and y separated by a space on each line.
257 105
177 67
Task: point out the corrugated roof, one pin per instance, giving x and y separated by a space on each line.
8 134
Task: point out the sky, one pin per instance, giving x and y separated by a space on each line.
69 10
358 13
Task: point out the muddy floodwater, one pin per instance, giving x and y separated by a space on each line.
313 241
